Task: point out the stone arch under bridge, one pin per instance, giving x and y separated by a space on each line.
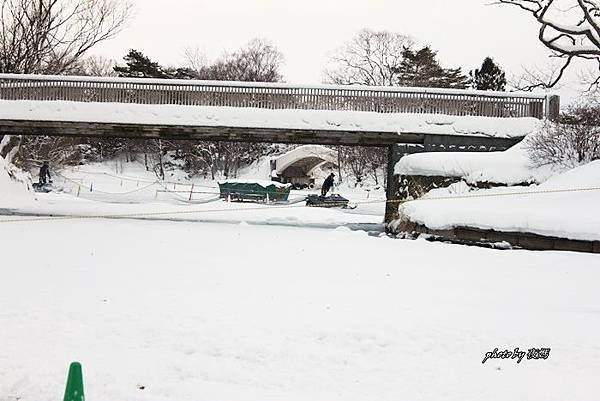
298 165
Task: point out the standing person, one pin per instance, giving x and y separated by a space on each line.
45 172
327 184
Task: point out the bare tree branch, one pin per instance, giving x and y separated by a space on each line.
52 36
569 28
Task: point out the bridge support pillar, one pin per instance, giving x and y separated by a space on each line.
393 184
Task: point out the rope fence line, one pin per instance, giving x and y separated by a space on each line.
522 193
79 185
131 179
163 185
263 208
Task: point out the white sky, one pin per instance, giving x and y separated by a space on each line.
306 31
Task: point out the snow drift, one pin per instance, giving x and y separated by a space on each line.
15 185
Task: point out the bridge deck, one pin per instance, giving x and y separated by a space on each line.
271 112
60 118
278 96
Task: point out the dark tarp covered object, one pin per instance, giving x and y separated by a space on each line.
254 191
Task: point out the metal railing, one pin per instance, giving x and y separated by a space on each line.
277 96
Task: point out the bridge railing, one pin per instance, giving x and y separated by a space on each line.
277 96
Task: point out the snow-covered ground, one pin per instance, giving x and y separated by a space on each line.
303 309
194 312
117 189
264 118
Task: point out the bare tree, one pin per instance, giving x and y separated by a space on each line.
52 36
195 59
570 29
258 61
97 66
539 77
572 141
370 58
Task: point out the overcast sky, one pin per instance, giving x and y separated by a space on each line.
463 31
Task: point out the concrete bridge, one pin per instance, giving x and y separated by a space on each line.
402 119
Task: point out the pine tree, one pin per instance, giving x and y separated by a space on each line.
489 77
140 66
421 68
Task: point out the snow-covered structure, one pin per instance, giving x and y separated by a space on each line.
299 164
340 121
510 167
562 206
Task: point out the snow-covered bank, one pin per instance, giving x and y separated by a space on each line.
566 214
263 118
15 186
509 167
197 312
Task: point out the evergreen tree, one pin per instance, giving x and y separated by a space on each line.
140 66
420 68
489 77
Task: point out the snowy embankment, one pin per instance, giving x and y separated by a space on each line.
177 311
570 214
264 118
15 186
509 167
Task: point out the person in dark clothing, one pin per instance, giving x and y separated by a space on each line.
327 184
45 173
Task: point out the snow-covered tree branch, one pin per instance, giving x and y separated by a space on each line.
568 28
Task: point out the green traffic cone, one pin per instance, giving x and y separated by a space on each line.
74 390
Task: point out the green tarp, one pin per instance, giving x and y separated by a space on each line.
254 191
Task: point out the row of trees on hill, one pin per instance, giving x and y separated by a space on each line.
381 58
